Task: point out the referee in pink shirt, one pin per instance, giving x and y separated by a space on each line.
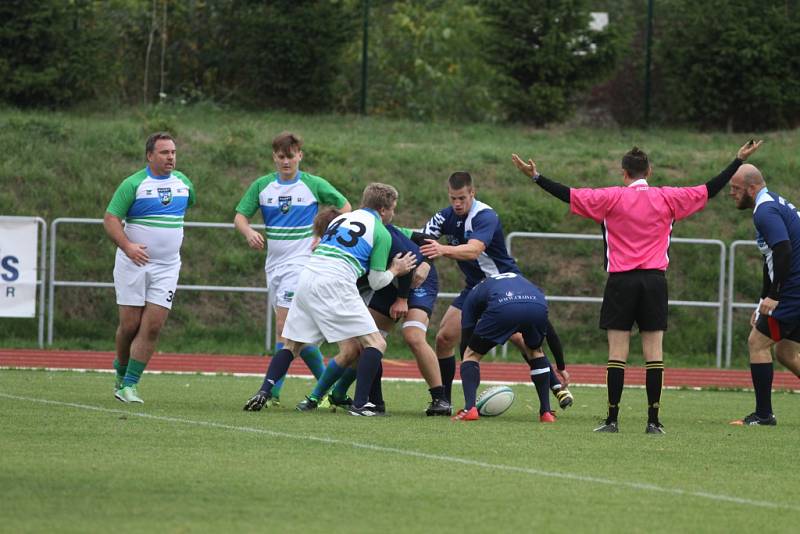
636 221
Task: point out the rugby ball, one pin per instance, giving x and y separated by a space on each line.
495 401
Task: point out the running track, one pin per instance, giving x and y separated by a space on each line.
490 371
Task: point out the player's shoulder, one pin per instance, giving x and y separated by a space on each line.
312 179
136 178
263 181
183 178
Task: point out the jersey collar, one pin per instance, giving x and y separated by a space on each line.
640 181
761 197
289 182
156 177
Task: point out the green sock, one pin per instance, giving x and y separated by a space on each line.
120 369
313 358
134 372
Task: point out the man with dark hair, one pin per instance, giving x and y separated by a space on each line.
288 200
776 320
637 223
152 202
476 241
327 304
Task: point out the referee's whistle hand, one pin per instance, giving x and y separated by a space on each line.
748 148
528 169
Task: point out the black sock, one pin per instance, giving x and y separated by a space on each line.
376 392
615 381
762 383
278 367
368 365
540 371
470 380
437 392
447 366
654 381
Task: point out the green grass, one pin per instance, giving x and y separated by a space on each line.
67 164
189 460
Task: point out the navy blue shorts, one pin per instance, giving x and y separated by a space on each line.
459 301
422 298
498 324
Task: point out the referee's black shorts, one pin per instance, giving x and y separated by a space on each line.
639 297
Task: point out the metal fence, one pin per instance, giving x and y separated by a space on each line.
719 304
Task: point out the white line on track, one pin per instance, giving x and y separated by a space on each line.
424 455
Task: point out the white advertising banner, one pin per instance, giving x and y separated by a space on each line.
18 262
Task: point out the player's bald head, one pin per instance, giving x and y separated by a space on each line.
749 175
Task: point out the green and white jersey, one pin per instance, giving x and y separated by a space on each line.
153 208
288 209
353 244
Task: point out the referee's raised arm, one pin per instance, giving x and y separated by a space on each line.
556 189
716 184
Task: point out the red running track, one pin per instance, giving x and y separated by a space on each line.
490 371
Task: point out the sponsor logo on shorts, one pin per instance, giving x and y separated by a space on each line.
284 203
288 295
165 195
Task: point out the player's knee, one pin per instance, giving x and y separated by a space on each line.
445 340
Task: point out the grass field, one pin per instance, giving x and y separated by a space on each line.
189 460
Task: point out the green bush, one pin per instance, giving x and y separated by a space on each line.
728 64
547 54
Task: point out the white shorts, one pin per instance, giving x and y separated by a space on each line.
327 308
152 282
282 284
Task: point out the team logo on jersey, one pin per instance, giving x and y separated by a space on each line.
284 203
165 195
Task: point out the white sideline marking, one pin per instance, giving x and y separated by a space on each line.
425 455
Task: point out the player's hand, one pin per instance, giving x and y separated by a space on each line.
255 240
432 249
767 306
256 402
399 309
403 263
137 253
420 274
528 169
748 148
563 376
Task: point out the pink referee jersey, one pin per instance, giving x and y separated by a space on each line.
637 220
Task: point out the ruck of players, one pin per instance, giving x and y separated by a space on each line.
344 274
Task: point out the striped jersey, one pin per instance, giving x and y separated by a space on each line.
777 220
353 244
637 220
153 208
483 224
288 209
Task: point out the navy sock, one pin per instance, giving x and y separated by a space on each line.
762 383
368 365
470 380
278 367
376 391
447 366
540 376
615 382
654 382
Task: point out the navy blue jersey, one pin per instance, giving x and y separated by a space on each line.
483 224
422 297
777 220
500 306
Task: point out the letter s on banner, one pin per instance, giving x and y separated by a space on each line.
18 267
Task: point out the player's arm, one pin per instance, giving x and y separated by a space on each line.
556 189
781 267
137 252
420 274
554 342
468 251
254 238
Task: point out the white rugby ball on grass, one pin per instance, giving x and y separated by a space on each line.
494 401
